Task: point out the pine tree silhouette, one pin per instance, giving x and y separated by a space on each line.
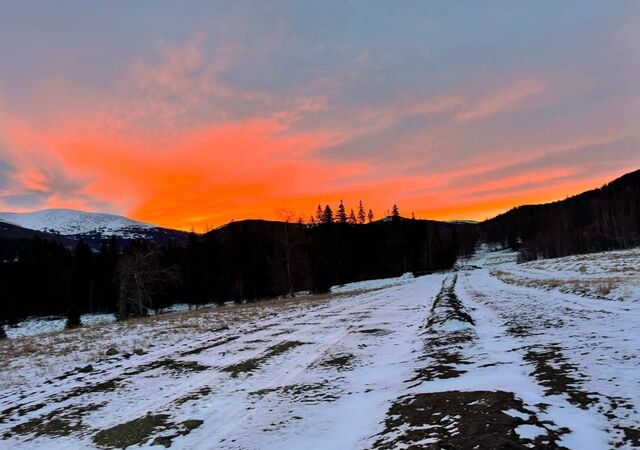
352 218
327 216
370 216
341 215
395 212
361 214
319 214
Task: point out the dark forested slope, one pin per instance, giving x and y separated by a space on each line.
601 219
244 260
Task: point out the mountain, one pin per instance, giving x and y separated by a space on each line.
89 226
70 222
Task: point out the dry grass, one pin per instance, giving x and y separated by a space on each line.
599 287
54 352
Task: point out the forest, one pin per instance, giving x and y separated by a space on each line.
241 261
601 219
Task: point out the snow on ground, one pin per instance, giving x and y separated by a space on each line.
37 325
389 364
486 256
49 324
372 284
611 275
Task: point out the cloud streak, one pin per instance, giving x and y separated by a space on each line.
508 99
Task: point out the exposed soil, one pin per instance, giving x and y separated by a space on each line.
139 431
250 365
441 348
447 307
373 331
213 344
461 421
193 396
59 422
558 376
315 393
339 362
176 366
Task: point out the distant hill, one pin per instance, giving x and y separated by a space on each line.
262 258
600 219
13 237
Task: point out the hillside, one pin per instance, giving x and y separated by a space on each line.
600 219
14 237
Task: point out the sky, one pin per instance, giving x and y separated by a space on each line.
191 114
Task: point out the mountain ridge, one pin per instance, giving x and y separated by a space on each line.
68 222
69 226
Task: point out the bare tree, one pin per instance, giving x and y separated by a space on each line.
286 215
140 276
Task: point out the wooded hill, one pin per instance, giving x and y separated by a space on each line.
246 260
601 219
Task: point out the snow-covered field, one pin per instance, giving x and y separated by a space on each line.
607 275
486 357
50 324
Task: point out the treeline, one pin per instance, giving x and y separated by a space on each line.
245 260
326 215
607 218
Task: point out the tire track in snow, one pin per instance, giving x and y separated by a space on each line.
554 336
470 358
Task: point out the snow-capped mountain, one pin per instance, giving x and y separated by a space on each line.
71 225
71 222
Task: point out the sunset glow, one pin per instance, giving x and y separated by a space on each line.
192 116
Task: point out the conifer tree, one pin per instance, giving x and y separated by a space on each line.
361 214
370 216
319 214
327 216
352 218
341 215
395 212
